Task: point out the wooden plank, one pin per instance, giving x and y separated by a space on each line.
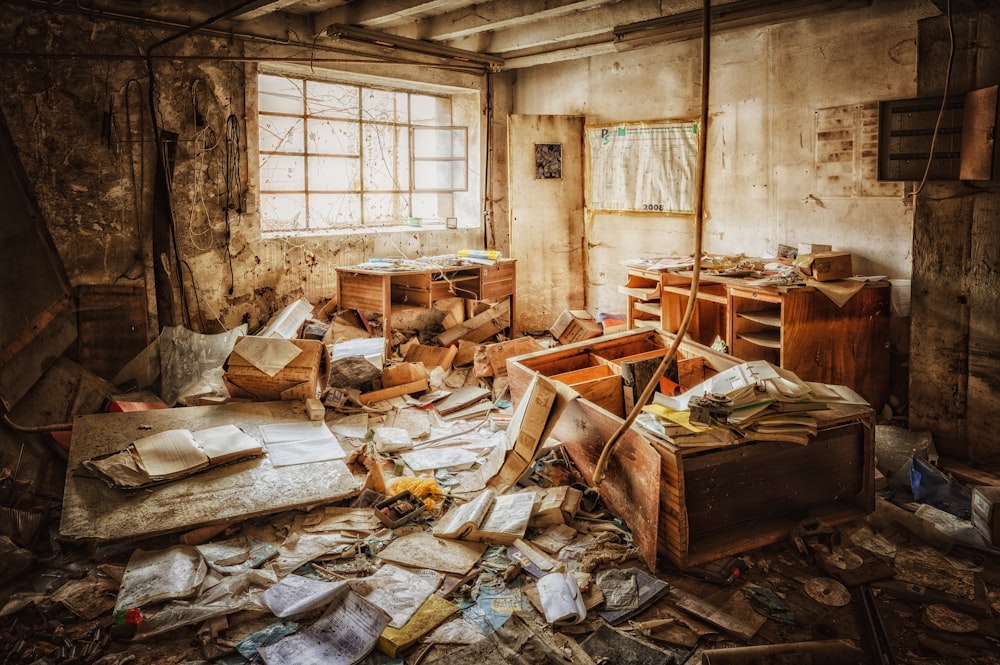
93 511
403 373
498 353
493 315
631 488
394 391
605 392
432 356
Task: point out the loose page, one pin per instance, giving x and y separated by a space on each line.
300 443
344 635
268 354
398 592
295 595
170 453
226 442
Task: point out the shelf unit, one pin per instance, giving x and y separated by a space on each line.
795 327
660 298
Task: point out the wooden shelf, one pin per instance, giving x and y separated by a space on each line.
702 295
767 338
767 318
648 307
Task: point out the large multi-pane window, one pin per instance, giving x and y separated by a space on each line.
345 156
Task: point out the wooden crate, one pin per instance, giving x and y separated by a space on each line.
694 505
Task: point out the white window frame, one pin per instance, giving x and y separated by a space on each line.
466 201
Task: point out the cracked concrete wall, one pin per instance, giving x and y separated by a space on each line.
77 101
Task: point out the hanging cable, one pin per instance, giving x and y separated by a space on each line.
233 180
699 209
944 100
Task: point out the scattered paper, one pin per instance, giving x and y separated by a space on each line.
236 555
300 443
422 550
296 595
269 355
562 602
344 635
439 458
398 592
160 575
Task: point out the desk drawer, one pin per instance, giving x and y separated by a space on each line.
498 272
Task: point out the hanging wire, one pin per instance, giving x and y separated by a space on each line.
944 100
233 180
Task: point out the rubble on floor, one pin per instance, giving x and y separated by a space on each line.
475 540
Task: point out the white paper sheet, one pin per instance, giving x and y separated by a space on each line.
561 599
439 458
297 595
300 443
398 592
269 355
344 635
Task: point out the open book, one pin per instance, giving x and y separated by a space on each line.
488 518
172 454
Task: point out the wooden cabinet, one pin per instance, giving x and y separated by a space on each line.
798 328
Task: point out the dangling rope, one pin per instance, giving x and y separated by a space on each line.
699 208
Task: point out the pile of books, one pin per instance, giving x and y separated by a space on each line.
762 403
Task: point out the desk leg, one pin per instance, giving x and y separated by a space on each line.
387 311
513 314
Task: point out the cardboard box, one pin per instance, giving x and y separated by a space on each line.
812 248
575 325
827 266
302 378
986 512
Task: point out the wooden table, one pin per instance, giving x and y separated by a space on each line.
93 511
383 291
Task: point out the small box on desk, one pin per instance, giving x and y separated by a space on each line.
828 266
986 512
575 325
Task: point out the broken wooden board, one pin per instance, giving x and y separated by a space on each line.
498 353
93 511
496 318
432 356
403 373
394 391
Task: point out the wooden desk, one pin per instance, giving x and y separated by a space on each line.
795 327
383 291
93 511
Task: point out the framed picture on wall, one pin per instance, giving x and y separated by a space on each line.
548 161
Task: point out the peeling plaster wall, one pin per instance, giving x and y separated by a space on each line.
771 176
96 190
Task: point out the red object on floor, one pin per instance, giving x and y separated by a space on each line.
62 438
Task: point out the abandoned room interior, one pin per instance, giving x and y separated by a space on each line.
499 331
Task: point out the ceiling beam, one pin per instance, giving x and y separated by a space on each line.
382 13
258 9
582 25
496 15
